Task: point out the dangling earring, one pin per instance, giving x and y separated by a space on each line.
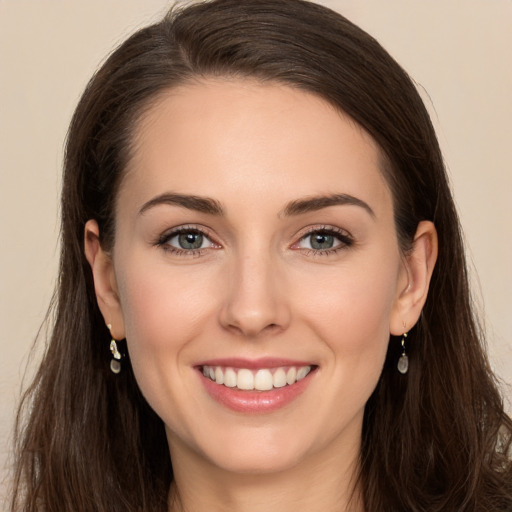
403 361
115 363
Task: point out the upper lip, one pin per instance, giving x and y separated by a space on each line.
251 364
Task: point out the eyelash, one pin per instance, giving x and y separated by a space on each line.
345 239
342 236
163 241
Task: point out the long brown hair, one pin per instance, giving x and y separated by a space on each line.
437 440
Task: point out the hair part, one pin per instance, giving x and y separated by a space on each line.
436 440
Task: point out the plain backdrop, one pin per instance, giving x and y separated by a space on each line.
457 51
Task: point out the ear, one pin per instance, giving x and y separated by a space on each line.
414 280
104 277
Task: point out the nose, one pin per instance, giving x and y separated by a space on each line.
256 301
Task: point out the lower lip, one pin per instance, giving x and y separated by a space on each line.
255 402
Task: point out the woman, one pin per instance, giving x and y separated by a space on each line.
263 300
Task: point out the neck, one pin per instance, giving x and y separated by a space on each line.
325 481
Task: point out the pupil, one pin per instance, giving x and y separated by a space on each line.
322 241
191 240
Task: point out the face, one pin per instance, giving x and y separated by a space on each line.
258 273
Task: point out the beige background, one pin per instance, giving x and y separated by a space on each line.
459 52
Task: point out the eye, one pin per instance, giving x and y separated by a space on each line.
319 241
324 240
189 241
186 240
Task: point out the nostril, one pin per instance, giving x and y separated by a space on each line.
272 327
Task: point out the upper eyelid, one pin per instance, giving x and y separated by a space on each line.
323 228
186 228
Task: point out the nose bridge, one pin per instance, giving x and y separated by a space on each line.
255 302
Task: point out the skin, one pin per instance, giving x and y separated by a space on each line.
257 289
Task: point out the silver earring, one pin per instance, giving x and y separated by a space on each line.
403 361
115 363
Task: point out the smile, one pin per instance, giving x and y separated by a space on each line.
256 386
262 379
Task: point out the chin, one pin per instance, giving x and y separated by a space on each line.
246 449
257 459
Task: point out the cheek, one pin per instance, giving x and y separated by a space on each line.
160 303
351 314
163 311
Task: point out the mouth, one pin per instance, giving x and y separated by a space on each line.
255 387
262 379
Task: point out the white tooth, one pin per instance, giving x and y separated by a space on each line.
205 371
291 375
303 372
219 375
262 380
245 379
279 378
211 373
230 378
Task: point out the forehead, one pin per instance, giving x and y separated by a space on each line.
245 137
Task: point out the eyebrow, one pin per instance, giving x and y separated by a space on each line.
296 207
311 204
199 204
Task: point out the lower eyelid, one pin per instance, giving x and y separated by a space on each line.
184 252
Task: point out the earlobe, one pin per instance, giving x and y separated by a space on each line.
105 285
418 264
